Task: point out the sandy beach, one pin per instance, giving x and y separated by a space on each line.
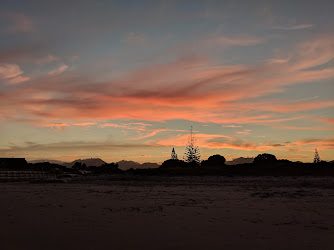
169 213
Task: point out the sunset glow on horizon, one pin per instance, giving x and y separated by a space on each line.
125 80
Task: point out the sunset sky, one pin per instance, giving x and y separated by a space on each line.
126 79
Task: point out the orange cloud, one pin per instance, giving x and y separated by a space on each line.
57 126
319 143
327 120
84 124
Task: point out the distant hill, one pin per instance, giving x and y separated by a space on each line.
125 165
97 162
240 160
94 162
149 165
46 160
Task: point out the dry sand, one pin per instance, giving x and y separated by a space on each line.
169 213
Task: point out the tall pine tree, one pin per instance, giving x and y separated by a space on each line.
192 154
316 157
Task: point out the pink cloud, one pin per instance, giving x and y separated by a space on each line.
313 53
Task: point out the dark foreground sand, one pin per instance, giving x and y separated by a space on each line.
169 213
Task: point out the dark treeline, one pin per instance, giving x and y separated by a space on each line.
263 165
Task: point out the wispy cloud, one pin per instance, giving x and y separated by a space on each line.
57 126
294 27
85 124
322 144
19 79
244 132
10 70
12 73
144 130
59 70
232 126
238 40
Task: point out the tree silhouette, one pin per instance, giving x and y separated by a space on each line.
192 154
316 157
265 158
214 161
173 155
